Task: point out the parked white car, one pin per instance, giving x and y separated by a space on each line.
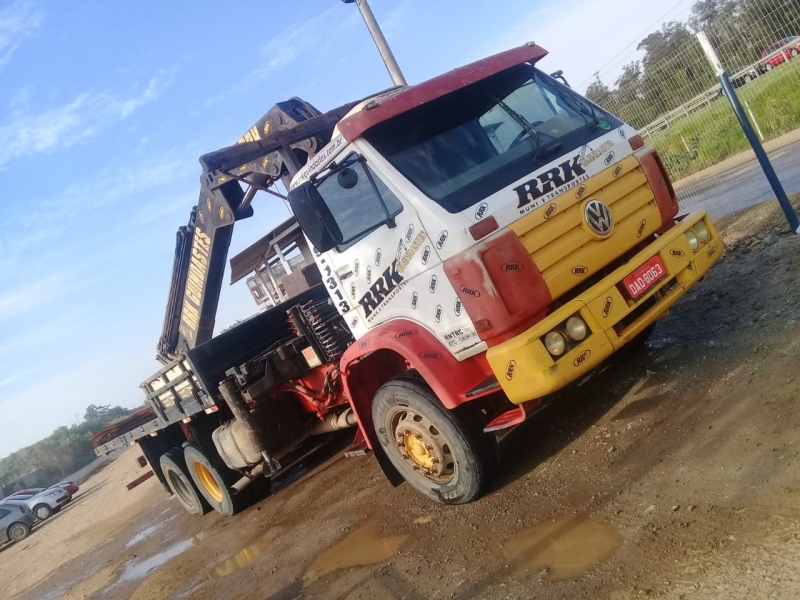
16 521
44 504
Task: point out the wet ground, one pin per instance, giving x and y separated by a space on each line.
673 473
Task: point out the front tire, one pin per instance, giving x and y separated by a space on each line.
210 481
442 453
43 512
768 66
18 532
180 482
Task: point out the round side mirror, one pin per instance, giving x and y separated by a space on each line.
347 178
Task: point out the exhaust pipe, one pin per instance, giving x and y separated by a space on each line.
245 481
335 422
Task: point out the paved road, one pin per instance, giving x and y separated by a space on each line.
743 185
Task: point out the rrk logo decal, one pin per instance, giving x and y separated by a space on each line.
511 267
457 307
354 322
438 313
481 211
582 358
404 334
712 250
378 255
609 159
598 217
430 355
409 232
470 292
579 270
617 170
353 290
442 240
677 252
609 302
581 191
414 300
549 211
511 369
642 225
549 181
369 274
356 267
426 254
433 283
388 281
621 133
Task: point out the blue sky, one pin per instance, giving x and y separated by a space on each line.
104 109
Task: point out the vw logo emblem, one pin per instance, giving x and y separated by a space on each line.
598 217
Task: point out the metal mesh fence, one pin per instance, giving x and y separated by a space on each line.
673 97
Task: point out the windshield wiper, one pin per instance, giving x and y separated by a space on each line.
587 109
525 124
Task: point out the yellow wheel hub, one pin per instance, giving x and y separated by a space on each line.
418 452
209 482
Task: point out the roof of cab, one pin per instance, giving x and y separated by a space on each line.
399 100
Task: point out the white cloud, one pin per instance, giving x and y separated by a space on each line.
24 133
17 20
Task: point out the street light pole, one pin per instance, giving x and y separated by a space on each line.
380 41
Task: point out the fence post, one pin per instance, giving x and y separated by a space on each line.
761 155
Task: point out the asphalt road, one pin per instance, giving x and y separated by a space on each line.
744 185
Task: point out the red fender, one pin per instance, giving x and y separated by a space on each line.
449 378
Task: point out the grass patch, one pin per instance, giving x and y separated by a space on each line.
712 134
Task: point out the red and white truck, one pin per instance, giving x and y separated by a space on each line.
463 248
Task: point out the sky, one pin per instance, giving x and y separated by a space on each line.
105 108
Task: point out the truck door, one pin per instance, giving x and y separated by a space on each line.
387 271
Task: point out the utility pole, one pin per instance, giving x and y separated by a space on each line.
383 46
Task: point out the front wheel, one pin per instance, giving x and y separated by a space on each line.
793 52
43 512
442 453
210 481
768 66
18 532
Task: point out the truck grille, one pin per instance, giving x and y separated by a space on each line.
562 246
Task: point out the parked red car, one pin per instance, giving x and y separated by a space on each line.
70 487
773 56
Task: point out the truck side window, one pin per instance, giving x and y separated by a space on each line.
357 209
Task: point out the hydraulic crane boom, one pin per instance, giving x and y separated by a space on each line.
275 148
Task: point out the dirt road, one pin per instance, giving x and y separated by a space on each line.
673 474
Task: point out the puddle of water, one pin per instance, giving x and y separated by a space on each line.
146 532
241 559
565 548
425 519
139 569
360 547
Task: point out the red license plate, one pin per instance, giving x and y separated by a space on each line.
645 277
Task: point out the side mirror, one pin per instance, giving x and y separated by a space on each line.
314 217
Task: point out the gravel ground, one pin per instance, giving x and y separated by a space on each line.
670 474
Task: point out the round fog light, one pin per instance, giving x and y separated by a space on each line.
576 328
702 233
694 243
555 342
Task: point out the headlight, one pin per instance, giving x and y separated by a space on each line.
555 342
576 328
702 233
694 243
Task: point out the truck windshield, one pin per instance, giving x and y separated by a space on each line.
466 145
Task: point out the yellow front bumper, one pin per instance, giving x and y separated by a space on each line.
527 371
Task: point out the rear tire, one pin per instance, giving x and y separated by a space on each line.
442 453
768 66
43 512
180 482
793 52
211 483
18 532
